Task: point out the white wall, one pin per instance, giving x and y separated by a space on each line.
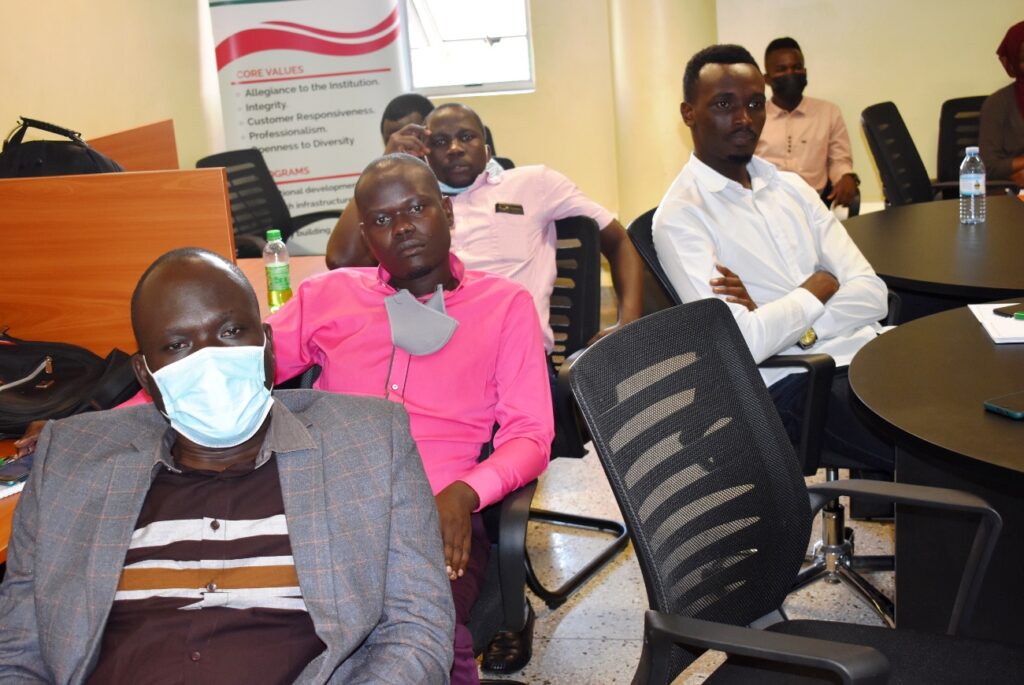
916 53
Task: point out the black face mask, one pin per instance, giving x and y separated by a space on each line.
789 86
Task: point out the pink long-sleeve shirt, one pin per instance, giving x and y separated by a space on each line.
493 370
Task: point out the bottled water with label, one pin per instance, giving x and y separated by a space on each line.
275 260
972 188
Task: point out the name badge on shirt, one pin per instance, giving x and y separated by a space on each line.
507 208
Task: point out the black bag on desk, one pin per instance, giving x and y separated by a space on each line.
44 380
50 157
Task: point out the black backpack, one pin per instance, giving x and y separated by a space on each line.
50 157
44 380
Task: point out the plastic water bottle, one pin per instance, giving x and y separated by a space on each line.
275 259
972 188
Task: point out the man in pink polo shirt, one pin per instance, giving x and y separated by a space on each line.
803 134
461 350
504 219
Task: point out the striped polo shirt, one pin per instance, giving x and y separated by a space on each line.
209 590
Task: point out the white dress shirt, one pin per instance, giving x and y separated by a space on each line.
773 236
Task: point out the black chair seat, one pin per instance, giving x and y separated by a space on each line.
914 657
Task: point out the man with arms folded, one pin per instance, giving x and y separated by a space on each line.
461 350
734 227
504 219
259 538
802 134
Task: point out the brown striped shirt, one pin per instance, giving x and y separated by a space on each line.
209 591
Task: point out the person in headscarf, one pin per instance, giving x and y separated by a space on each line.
1002 115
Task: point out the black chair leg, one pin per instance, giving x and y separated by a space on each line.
555 597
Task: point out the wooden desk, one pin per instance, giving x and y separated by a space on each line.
76 245
924 383
924 253
146 148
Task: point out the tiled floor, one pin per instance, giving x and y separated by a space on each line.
596 636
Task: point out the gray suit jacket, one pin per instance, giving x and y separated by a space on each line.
361 518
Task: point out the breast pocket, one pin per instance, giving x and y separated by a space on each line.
514 239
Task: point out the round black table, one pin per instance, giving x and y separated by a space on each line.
924 247
924 383
923 252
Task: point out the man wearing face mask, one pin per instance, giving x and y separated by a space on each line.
461 350
803 134
259 538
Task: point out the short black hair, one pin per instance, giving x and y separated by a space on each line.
715 54
472 113
785 43
404 105
186 254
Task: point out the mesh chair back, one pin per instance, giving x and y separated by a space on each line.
640 234
904 178
575 312
256 202
959 127
699 462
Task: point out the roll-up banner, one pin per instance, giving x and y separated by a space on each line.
306 81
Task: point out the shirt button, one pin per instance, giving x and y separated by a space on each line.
394 386
195 656
215 524
211 586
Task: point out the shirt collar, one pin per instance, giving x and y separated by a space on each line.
762 174
457 267
776 112
286 434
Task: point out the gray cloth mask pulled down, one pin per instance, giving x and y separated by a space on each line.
419 328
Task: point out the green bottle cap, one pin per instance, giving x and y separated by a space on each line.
273 234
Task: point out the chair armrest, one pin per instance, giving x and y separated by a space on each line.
566 414
306 219
989 527
820 369
515 514
854 664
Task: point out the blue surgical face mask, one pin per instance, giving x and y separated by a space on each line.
216 397
492 169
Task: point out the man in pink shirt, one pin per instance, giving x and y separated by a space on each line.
460 349
504 219
802 134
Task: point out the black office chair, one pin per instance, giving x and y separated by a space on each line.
904 178
575 317
719 515
959 128
256 203
833 558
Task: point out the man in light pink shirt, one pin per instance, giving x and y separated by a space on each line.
461 350
802 134
504 219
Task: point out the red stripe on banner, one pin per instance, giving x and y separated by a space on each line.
260 40
318 178
299 78
390 19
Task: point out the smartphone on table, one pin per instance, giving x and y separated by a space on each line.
1009 310
1011 405
15 471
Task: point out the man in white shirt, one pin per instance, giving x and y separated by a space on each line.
732 226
